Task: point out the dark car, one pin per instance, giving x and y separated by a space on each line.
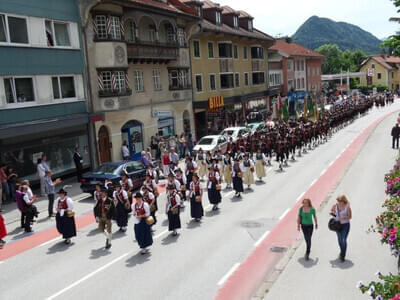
112 171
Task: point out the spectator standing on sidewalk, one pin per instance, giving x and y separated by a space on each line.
78 160
182 145
171 142
12 182
165 163
4 185
395 136
125 151
190 144
41 171
3 232
173 157
305 221
154 147
342 212
50 191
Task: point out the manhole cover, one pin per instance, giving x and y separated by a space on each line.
277 249
251 224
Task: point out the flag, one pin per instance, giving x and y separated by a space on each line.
305 107
285 112
310 103
280 102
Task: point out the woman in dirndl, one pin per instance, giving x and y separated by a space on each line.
201 163
122 207
196 196
214 188
172 209
260 160
237 173
65 220
141 211
227 170
3 231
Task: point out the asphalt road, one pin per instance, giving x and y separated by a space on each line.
194 264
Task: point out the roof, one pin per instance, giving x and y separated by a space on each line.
223 28
243 14
388 62
210 4
227 10
175 6
293 49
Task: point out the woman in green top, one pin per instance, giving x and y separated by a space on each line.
305 221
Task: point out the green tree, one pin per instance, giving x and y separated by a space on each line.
333 58
391 46
358 56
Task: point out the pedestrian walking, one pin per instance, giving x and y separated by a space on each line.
196 196
248 170
227 162
104 211
165 163
342 212
305 221
214 188
12 182
125 151
3 232
78 160
50 191
201 163
65 220
41 172
30 210
395 136
260 160
141 213
237 174
20 204
122 206
172 209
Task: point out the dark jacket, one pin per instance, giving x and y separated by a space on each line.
396 131
77 160
109 208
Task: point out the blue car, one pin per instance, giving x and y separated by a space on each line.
112 171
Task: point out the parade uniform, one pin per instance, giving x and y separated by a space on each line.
104 212
65 223
227 171
127 186
237 174
150 199
141 228
172 208
196 207
182 181
201 163
260 160
122 209
190 169
248 169
214 195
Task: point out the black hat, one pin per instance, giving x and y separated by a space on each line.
138 195
62 191
104 190
170 187
116 184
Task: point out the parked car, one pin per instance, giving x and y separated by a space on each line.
212 143
235 132
112 171
254 127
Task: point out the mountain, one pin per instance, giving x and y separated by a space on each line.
318 31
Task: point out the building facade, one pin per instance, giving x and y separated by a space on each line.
229 67
382 70
43 107
139 70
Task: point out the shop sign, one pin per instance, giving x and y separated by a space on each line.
215 102
162 114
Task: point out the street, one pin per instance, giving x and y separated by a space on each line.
200 260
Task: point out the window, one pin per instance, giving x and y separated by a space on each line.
290 65
392 75
258 78
196 48
178 79
226 81
235 21
151 31
170 34
115 28
63 87
257 53
218 17
139 81
181 36
199 83
173 79
237 80
57 34
275 79
213 85
235 51
225 50
298 84
246 79
373 66
244 52
13 30
250 25
101 26
130 31
379 75
106 80
302 83
210 50
120 82
290 85
302 65
313 71
19 90
111 82
157 80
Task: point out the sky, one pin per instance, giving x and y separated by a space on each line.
283 17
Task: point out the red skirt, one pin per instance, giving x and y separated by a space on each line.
3 230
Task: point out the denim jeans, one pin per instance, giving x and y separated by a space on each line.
342 238
307 231
6 191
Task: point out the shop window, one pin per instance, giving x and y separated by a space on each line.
244 52
196 48
213 85
237 80
235 51
258 78
132 133
13 30
246 79
157 80
257 53
19 90
199 83
210 50
181 37
101 27
226 81
57 34
225 50
139 87
63 87
130 31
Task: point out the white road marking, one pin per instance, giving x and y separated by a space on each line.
284 214
322 173
229 194
51 241
230 272
331 163
160 234
314 181
261 239
87 276
301 196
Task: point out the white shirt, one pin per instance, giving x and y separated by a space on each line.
146 210
96 195
124 195
177 199
26 198
125 151
183 177
129 181
41 170
241 168
70 204
210 182
176 182
244 168
262 155
30 194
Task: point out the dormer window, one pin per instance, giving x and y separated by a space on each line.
235 21
218 17
250 25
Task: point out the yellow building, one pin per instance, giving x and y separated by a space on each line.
383 70
229 67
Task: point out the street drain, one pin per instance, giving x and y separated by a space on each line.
278 249
251 224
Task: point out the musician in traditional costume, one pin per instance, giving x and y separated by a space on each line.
141 213
104 212
208 162
150 171
65 221
172 209
151 200
227 161
219 159
261 161
214 188
122 207
248 170
180 176
201 163
196 196
126 184
237 174
173 182
191 167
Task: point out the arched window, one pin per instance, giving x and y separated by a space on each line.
130 34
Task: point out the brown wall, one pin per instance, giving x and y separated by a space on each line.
314 74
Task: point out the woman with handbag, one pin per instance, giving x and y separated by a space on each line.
342 213
172 209
122 207
305 221
237 174
214 188
141 212
65 220
150 199
196 196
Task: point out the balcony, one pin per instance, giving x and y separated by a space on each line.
147 52
115 93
